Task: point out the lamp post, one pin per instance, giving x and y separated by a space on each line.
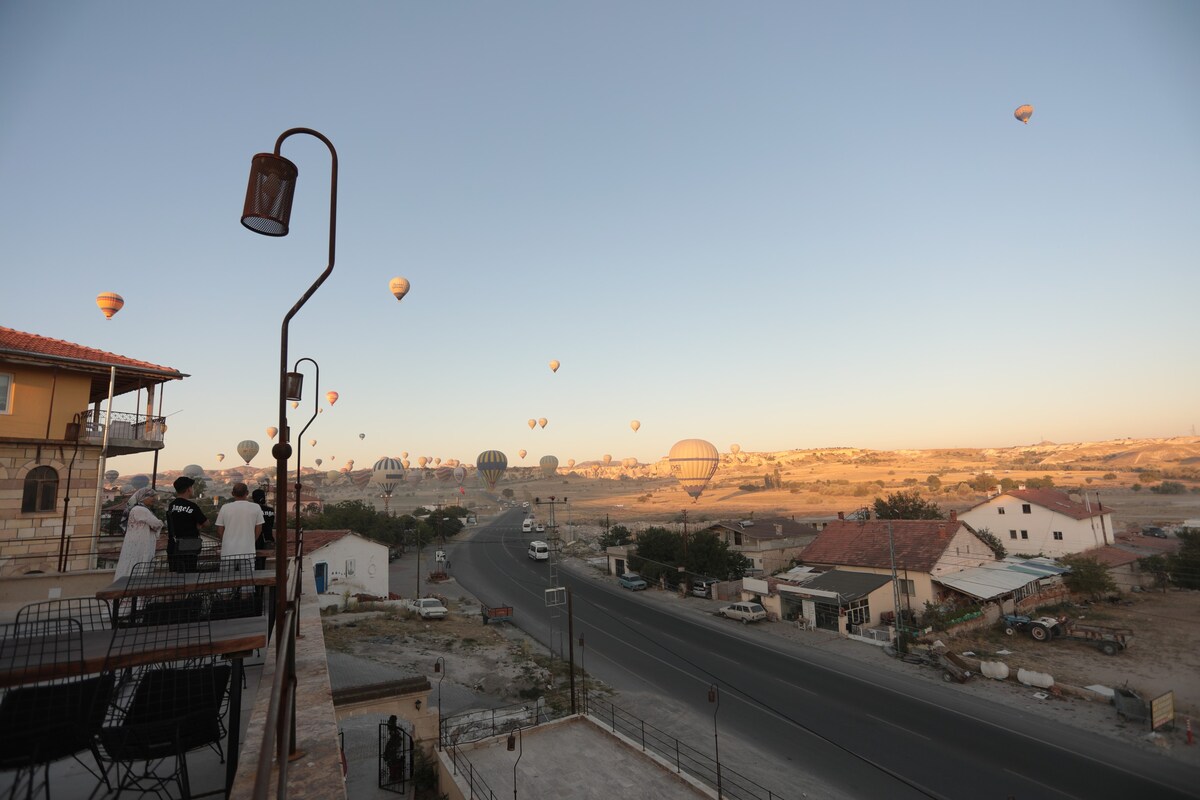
268 210
583 670
439 666
514 738
714 696
295 389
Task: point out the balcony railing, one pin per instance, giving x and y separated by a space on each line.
127 433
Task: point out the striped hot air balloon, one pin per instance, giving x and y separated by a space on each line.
693 463
109 303
491 465
549 465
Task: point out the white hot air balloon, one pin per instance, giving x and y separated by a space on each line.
247 449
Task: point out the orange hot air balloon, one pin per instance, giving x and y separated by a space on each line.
1023 113
398 287
521 453
312 442
570 463
422 461
295 404
635 425
532 424
542 421
109 303
404 454
332 397
271 431
607 458
554 366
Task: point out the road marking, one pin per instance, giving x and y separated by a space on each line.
900 727
1039 783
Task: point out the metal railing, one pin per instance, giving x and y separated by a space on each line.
477 787
124 425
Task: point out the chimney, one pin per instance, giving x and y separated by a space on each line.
841 515
953 517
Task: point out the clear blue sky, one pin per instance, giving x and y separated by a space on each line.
784 225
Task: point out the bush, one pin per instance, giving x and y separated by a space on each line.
1169 487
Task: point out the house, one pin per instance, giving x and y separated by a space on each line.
345 562
58 427
844 601
1043 521
1123 556
771 543
918 550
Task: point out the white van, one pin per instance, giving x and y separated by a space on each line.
539 551
527 525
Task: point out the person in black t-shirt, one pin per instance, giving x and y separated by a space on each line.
184 521
266 539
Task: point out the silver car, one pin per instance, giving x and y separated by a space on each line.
745 612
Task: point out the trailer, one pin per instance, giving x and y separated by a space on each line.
1109 641
496 613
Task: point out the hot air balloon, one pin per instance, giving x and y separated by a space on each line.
693 463
629 462
312 442
295 404
735 448
404 454
111 476
422 461
139 481
332 397
437 461
532 424
194 471
318 462
607 458
570 463
362 436
406 463
491 465
542 421
271 431
443 474
415 476
549 465
398 287
333 458
554 366
521 453
109 303
1023 113
220 457
247 449
460 474
635 425
388 473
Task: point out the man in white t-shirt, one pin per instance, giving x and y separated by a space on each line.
239 523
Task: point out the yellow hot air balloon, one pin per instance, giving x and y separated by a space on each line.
532 424
220 457
521 453
295 404
554 366
693 463
332 397
406 463
422 461
398 287
635 425
491 465
247 449
271 431
1023 113
735 448
549 465
109 303
542 421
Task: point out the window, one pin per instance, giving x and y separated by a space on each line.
349 567
1012 534
1024 534
859 612
1058 536
907 587
1000 510
41 490
1026 508
737 538
6 384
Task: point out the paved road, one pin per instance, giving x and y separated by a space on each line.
805 720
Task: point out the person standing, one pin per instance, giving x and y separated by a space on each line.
239 523
184 521
266 539
141 532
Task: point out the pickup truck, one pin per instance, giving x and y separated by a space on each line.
428 608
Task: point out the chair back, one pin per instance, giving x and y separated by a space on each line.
91 613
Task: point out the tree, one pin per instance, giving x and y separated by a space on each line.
615 536
659 551
992 541
1169 487
983 481
906 505
710 556
1158 566
1185 565
933 482
1087 576
507 493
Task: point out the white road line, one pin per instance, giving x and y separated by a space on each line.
900 727
1039 783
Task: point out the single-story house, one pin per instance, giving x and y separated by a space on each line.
344 562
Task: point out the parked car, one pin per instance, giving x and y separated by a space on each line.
631 580
702 587
428 608
1156 532
744 612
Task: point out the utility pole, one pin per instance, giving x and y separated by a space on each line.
900 645
683 586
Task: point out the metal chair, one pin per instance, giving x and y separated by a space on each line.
161 712
45 721
238 601
91 613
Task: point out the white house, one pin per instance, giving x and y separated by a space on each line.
1043 521
343 561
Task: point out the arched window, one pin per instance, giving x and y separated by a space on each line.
41 490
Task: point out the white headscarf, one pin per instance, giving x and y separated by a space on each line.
137 497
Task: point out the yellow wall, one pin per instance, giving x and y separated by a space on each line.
33 389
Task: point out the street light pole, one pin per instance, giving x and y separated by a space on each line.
512 745
439 666
714 696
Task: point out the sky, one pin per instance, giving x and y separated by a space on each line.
780 224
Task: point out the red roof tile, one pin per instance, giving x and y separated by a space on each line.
919 543
1053 500
1110 556
19 342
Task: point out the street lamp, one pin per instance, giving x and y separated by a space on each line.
294 381
268 210
514 738
439 666
714 696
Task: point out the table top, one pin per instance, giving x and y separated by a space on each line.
186 582
233 638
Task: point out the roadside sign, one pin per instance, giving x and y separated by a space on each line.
1162 710
556 596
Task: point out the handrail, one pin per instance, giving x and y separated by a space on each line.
282 708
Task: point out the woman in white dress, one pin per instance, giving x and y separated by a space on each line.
141 533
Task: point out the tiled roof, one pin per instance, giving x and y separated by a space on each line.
19 342
1055 501
766 527
1110 556
315 540
919 543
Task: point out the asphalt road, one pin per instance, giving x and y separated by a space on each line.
803 721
